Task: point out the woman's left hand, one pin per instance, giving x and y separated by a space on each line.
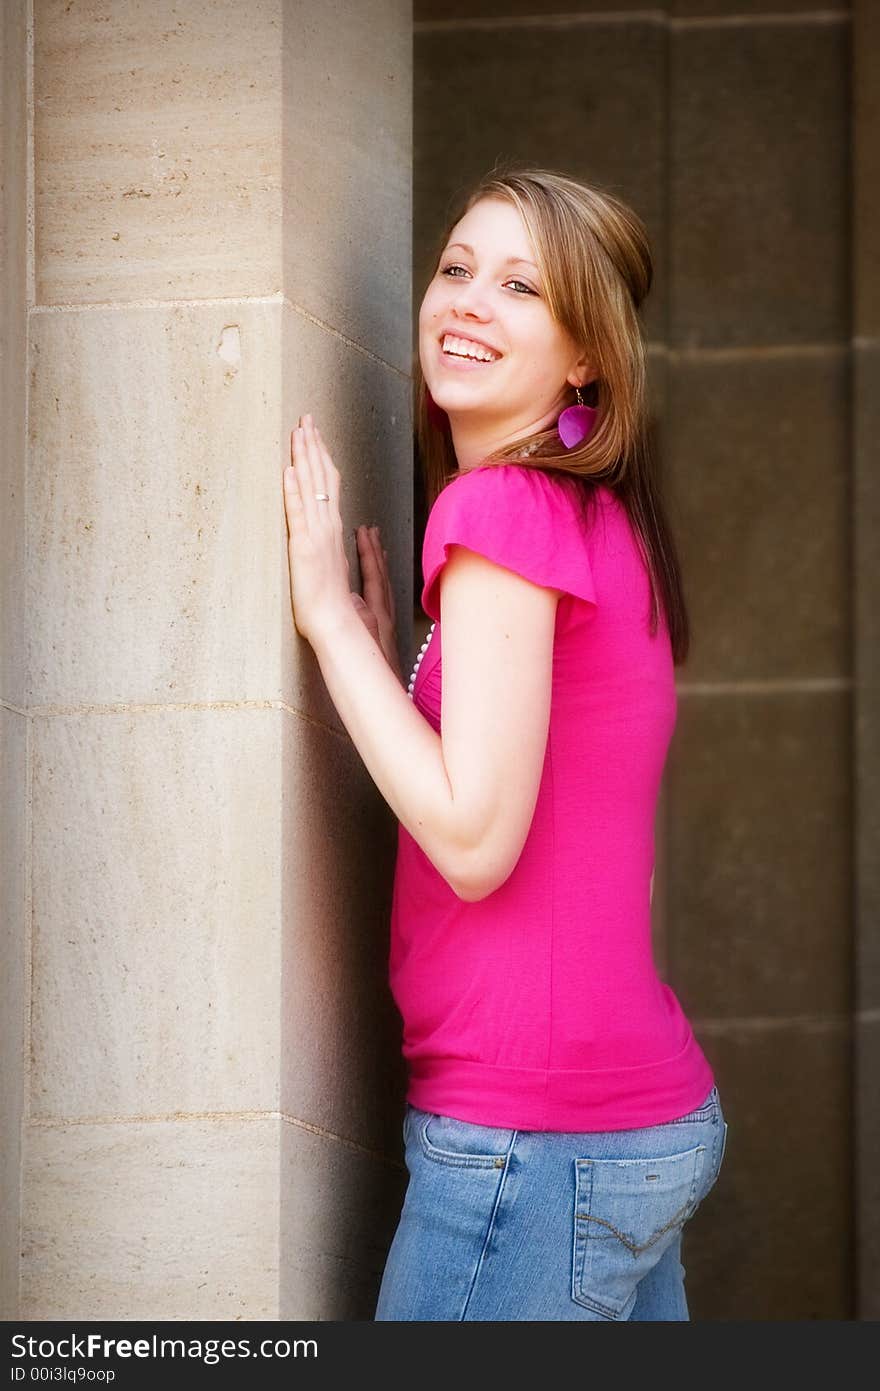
319 571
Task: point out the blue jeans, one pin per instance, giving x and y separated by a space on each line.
540 1224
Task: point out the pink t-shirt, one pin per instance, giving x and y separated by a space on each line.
540 1006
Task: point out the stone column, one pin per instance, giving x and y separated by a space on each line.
221 241
14 723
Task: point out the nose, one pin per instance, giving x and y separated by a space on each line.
470 302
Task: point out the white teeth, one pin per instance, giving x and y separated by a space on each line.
463 347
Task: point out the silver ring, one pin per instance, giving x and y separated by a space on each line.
322 497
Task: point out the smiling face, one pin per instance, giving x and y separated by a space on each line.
486 298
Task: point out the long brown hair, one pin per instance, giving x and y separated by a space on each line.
596 265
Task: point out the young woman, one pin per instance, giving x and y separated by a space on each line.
562 1123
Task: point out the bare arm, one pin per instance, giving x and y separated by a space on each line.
468 797
401 751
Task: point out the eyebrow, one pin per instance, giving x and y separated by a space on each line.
511 260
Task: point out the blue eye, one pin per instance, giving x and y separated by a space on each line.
447 269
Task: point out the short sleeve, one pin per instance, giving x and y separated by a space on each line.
515 516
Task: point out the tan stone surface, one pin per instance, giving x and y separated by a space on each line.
340 1031
158 1220
158 150
169 888
156 536
156 912
364 412
158 553
13 347
190 962
13 720
347 174
196 1218
13 989
339 1209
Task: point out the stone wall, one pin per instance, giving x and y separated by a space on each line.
728 127
197 866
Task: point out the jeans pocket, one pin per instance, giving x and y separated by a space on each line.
446 1140
627 1213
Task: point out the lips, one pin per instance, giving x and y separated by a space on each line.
457 363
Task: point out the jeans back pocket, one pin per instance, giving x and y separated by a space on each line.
627 1212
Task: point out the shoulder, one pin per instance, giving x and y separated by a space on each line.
509 480
516 516
511 495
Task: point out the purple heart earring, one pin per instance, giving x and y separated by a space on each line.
576 422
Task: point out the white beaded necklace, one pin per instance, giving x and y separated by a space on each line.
422 650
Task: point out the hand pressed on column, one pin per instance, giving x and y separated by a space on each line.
320 575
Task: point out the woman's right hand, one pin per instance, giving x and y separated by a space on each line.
377 606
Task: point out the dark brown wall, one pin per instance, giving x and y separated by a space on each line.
866 582
729 128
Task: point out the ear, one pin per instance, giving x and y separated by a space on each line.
582 373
